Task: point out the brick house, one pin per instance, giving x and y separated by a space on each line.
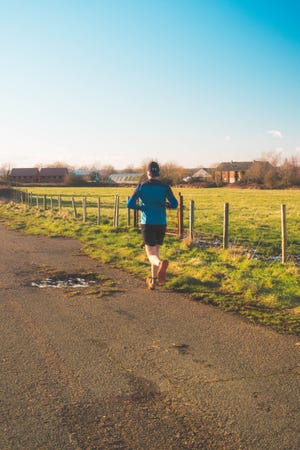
30 175
231 172
53 175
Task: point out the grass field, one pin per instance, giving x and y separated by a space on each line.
254 215
263 290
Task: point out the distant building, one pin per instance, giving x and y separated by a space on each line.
202 174
34 175
125 178
231 172
28 175
53 174
234 172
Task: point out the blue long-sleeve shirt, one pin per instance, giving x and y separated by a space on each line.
154 196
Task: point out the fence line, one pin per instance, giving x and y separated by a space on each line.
181 230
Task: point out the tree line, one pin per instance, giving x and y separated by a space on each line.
277 173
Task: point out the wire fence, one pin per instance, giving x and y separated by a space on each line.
266 234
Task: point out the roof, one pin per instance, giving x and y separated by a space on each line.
130 178
28 172
201 173
234 165
53 172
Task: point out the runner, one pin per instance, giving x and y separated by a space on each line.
152 197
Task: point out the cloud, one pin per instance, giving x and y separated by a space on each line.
276 133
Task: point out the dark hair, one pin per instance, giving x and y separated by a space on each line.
153 169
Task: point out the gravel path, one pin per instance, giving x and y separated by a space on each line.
115 366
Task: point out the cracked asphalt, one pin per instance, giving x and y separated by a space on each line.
132 368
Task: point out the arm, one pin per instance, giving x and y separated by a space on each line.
132 201
172 200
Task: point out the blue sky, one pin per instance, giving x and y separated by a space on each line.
122 81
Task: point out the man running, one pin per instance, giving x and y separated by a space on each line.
152 197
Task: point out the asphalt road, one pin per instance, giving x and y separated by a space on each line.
133 369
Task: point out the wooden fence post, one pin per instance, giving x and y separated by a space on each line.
59 203
44 202
51 202
225 225
98 211
116 211
283 234
180 216
128 215
191 220
74 208
84 209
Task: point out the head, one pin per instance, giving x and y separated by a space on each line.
153 170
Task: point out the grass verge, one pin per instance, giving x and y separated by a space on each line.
264 292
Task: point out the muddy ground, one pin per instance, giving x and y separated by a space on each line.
115 366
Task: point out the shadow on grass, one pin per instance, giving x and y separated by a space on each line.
190 284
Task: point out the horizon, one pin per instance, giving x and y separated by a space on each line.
103 83
92 167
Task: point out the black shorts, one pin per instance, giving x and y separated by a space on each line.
153 234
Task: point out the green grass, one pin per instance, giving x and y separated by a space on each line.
254 215
263 291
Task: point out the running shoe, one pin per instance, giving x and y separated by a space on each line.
162 271
150 283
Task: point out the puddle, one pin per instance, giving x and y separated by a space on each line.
250 253
66 280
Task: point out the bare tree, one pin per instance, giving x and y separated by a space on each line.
4 171
172 173
129 169
273 157
290 171
107 170
59 164
257 172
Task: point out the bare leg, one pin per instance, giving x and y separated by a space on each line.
158 267
153 256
